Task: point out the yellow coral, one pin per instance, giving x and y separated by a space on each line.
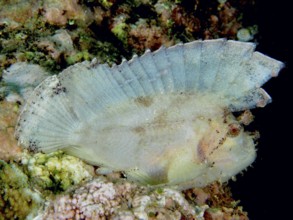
56 171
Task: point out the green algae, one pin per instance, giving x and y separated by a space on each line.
17 199
56 171
96 30
24 186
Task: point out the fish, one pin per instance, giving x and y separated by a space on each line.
163 119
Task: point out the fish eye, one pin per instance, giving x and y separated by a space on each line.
233 129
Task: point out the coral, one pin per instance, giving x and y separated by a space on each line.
225 214
228 15
14 13
145 36
69 11
55 34
244 34
9 148
60 48
58 44
219 198
185 20
101 199
120 29
17 200
56 171
109 29
247 34
117 198
105 3
111 197
20 79
41 41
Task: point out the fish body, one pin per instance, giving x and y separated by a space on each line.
164 118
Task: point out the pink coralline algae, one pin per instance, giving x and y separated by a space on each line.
101 199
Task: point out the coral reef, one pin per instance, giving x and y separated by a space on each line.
17 199
104 199
111 197
26 185
144 35
16 13
219 198
55 34
9 148
65 12
55 171
37 31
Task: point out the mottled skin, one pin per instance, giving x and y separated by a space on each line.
169 140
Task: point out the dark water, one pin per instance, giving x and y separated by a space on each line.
265 190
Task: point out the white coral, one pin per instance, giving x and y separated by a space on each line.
101 199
